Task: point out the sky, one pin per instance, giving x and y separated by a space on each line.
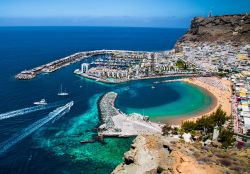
134 13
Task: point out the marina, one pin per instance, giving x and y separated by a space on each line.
60 63
117 66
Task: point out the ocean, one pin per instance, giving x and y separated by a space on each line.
55 147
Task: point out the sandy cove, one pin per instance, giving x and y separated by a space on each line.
220 89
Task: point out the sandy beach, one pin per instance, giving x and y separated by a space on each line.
219 89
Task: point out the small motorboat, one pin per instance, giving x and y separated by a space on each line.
41 102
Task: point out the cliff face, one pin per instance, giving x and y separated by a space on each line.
234 28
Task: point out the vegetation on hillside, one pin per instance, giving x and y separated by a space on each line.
181 64
226 137
207 123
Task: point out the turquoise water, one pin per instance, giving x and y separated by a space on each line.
110 79
160 101
55 147
92 157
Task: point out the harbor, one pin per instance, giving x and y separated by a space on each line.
63 62
118 66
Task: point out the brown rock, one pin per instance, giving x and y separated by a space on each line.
234 28
216 144
152 154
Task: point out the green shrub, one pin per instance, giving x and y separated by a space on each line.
188 126
226 137
181 64
206 122
166 129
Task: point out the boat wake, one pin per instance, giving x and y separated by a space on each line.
54 115
27 110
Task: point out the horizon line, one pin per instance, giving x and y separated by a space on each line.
93 26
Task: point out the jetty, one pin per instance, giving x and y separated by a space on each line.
63 62
118 124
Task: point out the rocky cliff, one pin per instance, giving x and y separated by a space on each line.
235 28
153 154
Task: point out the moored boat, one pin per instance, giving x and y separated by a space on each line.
61 93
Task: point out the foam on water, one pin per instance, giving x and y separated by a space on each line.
27 110
30 129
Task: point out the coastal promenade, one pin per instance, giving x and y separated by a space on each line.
118 124
60 63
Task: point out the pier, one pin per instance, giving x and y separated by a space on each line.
118 124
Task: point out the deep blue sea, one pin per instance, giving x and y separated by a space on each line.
55 147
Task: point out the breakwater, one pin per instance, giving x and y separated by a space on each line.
118 124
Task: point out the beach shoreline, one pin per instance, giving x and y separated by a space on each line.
219 98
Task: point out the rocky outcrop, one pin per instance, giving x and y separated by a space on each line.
234 28
152 154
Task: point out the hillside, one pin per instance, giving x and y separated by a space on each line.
235 28
152 154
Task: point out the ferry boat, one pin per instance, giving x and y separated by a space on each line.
61 93
41 102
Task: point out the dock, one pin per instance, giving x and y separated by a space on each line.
118 124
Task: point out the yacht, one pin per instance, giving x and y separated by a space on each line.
61 93
41 102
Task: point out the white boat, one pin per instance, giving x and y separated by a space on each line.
41 102
63 109
153 87
61 93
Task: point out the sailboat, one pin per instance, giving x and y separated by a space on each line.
61 93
